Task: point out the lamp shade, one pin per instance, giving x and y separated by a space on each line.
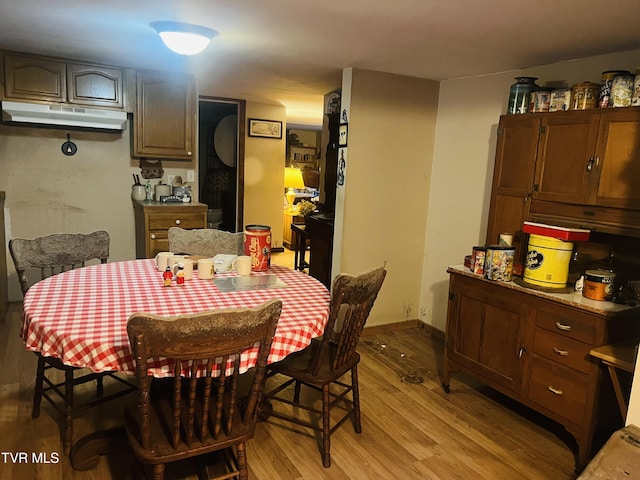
184 38
293 178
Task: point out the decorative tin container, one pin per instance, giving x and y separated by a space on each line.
621 90
560 100
498 263
635 98
477 259
605 86
584 96
257 245
540 100
598 284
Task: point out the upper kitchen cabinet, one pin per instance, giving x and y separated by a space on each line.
513 172
165 116
44 79
590 158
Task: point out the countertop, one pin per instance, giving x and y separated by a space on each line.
153 203
574 299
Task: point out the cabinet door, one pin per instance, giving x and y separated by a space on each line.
566 158
34 78
513 177
485 331
618 159
165 116
95 85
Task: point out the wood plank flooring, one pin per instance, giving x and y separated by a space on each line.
411 428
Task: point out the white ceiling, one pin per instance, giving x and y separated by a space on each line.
292 53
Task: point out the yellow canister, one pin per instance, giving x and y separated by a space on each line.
598 284
547 261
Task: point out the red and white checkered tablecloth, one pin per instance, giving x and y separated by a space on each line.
80 316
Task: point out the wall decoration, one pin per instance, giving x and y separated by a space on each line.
149 169
343 131
265 128
341 167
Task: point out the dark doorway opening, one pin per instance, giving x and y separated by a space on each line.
221 161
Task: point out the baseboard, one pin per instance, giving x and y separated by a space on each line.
390 327
277 249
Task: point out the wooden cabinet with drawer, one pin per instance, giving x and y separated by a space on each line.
153 220
534 347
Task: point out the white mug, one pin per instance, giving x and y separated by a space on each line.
162 260
205 268
242 265
174 259
187 268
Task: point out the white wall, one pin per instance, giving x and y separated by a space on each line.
381 212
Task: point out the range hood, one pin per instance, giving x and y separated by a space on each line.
63 115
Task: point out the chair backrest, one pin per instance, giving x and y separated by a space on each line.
352 298
56 253
204 399
207 242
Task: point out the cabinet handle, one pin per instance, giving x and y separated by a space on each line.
562 353
189 153
557 391
562 326
522 350
178 222
153 236
592 161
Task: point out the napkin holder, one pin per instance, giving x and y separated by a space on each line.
223 263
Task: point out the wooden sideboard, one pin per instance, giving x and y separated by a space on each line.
153 220
534 347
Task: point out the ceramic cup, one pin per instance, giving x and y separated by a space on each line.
242 265
205 268
138 192
187 268
162 260
173 259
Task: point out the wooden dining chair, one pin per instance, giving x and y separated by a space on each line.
206 242
322 364
204 410
51 255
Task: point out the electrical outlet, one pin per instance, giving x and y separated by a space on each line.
170 179
191 175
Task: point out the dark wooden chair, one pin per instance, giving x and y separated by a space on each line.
202 411
53 254
326 360
206 242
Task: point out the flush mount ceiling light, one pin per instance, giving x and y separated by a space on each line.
184 38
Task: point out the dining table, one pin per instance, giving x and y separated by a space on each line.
80 316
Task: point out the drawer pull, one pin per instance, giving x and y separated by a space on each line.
555 390
153 236
562 326
557 351
178 222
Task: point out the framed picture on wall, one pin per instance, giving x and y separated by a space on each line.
343 131
265 128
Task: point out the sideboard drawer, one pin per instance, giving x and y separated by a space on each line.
558 389
563 350
162 221
572 324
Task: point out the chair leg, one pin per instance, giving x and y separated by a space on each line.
357 426
326 428
67 436
296 393
158 471
100 386
241 453
37 393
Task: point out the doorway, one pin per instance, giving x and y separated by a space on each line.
221 161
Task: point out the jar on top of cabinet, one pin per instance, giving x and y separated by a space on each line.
584 96
520 94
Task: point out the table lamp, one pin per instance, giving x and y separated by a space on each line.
292 180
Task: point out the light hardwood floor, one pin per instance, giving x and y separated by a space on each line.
411 428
